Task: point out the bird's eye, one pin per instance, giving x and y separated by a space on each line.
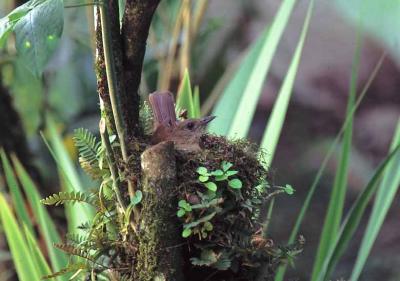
190 125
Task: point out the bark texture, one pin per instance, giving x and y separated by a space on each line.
135 30
159 252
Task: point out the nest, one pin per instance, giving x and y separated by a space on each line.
234 249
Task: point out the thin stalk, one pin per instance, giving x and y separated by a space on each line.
281 271
113 84
201 7
112 164
173 45
185 52
114 170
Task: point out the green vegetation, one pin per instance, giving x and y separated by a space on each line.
220 190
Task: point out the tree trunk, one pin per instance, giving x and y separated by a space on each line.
159 252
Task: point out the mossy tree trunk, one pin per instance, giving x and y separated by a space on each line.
158 252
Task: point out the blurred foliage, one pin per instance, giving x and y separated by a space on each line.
381 19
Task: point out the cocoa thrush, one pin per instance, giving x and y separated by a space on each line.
184 133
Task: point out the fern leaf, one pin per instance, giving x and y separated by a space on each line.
89 155
74 251
67 197
69 268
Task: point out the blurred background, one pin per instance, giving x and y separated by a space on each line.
226 29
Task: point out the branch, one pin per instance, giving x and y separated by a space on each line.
135 30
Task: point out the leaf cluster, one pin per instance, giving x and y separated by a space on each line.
102 246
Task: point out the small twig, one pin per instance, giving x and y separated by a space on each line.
114 171
185 51
111 163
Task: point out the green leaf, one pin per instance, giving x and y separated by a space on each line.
208 226
226 165
180 213
231 173
186 232
47 227
182 203
22 259
196 102
235 183
64 197
38 32
242 93
185 98
217 173
8 23
353 218
137 198
221 178
15 191
295 230
333 216
38 259
384 198
289 189
211 186
203 178
278 114
80 213
202 171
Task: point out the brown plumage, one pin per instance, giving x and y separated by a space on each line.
185 134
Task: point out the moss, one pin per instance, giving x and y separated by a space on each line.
237 231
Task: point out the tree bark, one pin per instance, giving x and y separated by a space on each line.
159 251
135 30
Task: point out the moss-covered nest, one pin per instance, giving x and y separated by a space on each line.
225 240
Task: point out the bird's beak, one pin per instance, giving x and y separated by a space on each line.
205 120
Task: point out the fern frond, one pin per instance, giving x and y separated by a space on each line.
69 268
74 251
67 197
89 149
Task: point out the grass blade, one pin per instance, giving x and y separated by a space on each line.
353 219
334 213
242 93
232 94
282 269
15 191
253 88
58 259
275 122
196 102
39 261
22 258
184 99
70 179
384 198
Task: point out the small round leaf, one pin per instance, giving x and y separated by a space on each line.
181 213
203 178
202 171
217 173
235 183
289 189
208 226
182 203
137 197
186 232
211 186
226 165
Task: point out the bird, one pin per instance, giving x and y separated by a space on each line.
184 133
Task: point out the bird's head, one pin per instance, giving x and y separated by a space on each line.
194 125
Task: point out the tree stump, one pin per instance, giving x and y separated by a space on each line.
159 252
